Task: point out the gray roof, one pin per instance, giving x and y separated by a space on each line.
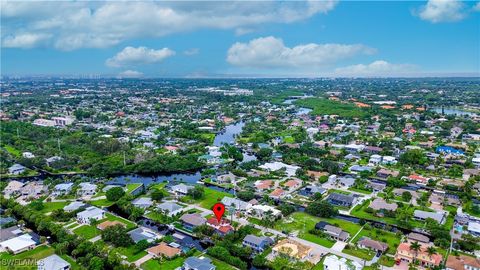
341 197
52 262
257 240
239 204
199 264
142 201
140 234
169 207
332 229
193 219
73 206
9 233
379 204
437 216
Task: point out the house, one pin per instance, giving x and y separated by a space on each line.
16 169
462 262
418 179
260 211
346 182
359 168
473 228
163 250
332 262
194 263
108 223
238 204
13 188
293 184
52 160
190 221
311 190
384 173
368 243
181 189
290 170
9 233
380 204
62 189
86 189
221 227
335 233
142 202
375 159
265 184
341 199
170 208
19 244
90 213
439 217
33 189
404 253
226 178
376 186
416 237
142 233
293 249
73 206
53 262
277 193
28 155
258 244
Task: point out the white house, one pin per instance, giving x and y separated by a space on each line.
290 170
333 262
63 188
181 189
53 262
87 189
170 208
19 244
28 155
16 169
238 204
259 211
90 213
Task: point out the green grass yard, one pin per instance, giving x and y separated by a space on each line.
101 203
131 187
87 231
131 253
27 259
154 264
50 206
211 197
108 216
380 235
361 253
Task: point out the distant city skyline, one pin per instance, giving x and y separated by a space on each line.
241 39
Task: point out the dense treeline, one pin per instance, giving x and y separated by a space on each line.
92 256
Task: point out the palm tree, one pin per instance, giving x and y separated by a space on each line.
415 247
431 251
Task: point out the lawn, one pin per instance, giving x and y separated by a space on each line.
303 222
10 149
101 203
380 235
322 106
50 206
361 253
132 187
73 264
131 253
220 265
386 261
87 231
211 197
28 258
108 216
360 190
154 264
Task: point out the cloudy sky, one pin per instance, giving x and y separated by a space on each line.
236 39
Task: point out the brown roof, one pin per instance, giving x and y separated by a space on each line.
102 226
163 249
376 245
418 237
459 262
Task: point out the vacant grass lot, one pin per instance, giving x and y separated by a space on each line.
50 206
211 197
364 254
101 203
108 216
131 253
303 222
87 231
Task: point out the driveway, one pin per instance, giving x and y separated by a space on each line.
339 246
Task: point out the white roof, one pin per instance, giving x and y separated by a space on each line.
52 262
91 211
73 206
265 208
335 263
87 186
275 166
18 243
474 227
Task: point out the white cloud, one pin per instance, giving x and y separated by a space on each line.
192 51
476 7
376 68
92 24
131 56
26 40
271 52
243 31
437 11
130 74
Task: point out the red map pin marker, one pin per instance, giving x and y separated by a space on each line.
219 210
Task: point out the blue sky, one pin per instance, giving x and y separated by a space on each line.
212 39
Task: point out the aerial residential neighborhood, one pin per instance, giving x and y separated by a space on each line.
240 135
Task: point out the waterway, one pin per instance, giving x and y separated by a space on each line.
453 111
